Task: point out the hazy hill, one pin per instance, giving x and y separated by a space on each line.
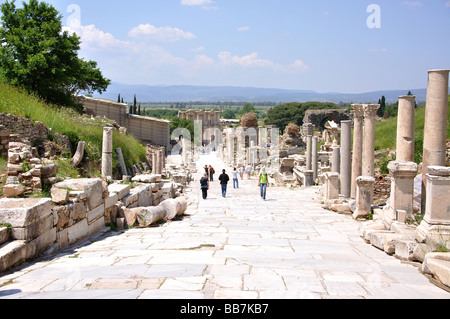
185 93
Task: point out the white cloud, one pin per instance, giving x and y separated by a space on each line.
166 34
244 28
298 67
93 38
250 60
205 4
412 4
383 50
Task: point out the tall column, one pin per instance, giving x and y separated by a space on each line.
314 159
107 149
358 117
435 132
370 111
309 153
405 128
346 158
366 182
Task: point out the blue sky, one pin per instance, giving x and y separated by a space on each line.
323 45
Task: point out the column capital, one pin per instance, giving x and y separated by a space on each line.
358 110
370 110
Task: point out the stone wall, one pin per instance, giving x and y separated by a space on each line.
319 117
144 128
16 129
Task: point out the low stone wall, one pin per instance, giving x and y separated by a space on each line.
78 209
12 127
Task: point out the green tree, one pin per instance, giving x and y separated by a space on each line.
134 105
247 108
36 54
176 122
382 108
118 98
284 114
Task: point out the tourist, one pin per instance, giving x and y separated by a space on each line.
249 171
224 178
211 173
206 171
204 184
263 182
241 172
235 178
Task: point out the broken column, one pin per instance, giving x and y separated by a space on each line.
403 170
331 186
123 167
107 149
346 158
402 189
435 132
358 117
435 226
405 128
336 160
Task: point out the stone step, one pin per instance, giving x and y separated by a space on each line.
5 235
12 253
438 265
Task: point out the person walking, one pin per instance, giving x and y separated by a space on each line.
235 178
249 171
224 179
241 172
263 182
206 171
204 185
211 173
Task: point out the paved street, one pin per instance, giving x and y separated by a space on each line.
235 247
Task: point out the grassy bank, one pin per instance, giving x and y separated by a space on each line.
386 133
65 121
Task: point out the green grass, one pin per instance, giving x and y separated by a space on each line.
386 133
68 122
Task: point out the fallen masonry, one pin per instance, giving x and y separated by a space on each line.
78 209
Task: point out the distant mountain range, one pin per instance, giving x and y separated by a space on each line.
185 93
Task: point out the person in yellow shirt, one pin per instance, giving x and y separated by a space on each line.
263 182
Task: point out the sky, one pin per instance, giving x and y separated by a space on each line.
349 46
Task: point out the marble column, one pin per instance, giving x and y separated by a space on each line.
336 160
405 128
346 158
309 153
358 117
154 163
368 158
366 182
435 131
107 149
315 159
